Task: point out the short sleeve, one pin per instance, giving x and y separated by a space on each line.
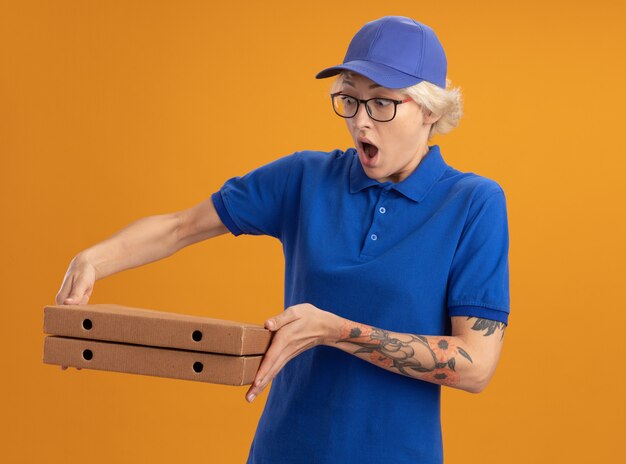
478 283
252 204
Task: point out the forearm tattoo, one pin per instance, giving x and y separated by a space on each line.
488 325
390 352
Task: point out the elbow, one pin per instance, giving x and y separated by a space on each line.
476 387
480 379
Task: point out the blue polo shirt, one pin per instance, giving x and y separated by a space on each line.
400 256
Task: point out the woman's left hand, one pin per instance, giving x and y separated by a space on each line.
296 329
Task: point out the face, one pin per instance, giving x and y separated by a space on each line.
387 150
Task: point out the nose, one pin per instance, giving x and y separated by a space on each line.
362 118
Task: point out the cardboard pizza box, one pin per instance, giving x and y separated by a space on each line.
139 326
145 360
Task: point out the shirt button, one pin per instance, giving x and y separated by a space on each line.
382 209
374 237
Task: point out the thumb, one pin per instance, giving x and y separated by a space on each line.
280 320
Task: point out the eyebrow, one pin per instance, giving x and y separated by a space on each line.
351 84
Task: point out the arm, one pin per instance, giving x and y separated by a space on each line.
466 360
153 238
143 241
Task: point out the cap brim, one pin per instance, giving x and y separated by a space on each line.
379 73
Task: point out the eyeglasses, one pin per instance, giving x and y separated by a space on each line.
379 109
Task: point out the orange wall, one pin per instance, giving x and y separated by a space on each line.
112 111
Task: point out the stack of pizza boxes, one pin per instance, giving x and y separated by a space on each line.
144 341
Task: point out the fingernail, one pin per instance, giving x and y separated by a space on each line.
251 397
270 324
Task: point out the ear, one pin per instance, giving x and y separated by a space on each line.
429 116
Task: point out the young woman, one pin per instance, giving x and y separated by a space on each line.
396 264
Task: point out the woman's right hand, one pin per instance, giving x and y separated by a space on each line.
78 282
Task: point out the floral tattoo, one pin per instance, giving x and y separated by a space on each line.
387 351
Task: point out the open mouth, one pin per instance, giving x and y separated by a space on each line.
369 149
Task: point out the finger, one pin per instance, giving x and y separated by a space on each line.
66 286
282 319
268 361
78 293
278 366
86 297
269 358
262 381
254 390
64 292
250 394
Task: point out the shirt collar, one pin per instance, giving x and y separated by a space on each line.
415 187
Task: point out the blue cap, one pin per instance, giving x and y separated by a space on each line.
394 52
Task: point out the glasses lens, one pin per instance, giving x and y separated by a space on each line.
381 109
345 105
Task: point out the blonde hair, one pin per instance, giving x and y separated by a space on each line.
446 103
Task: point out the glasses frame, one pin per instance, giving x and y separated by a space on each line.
367 108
